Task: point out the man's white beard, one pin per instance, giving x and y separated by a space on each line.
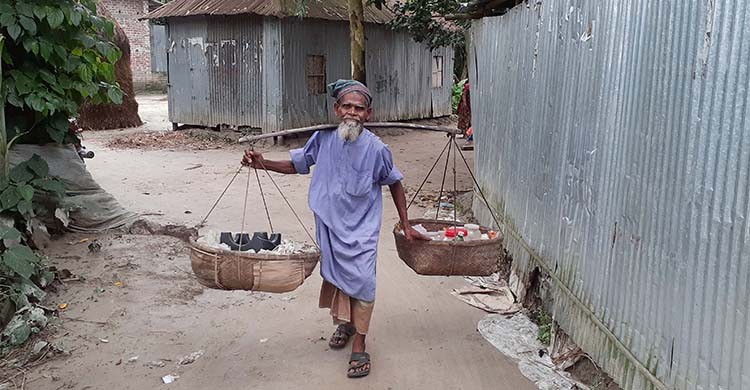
349 130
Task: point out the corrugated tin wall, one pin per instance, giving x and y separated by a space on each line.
398 72
271 70
215 71
611 136
188 71
159 48
235 78
250 71
313 37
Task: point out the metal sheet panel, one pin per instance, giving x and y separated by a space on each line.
611 137
159 47
236 81
271 70
188 72
228 70
398 73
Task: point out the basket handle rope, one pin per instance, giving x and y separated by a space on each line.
453 144
476 183
263 166
263 196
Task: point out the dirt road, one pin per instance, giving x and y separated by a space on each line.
421 337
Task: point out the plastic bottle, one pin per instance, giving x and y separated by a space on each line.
472 232
451 233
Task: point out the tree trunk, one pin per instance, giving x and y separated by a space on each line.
357 36
113 116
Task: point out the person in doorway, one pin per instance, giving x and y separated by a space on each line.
351 165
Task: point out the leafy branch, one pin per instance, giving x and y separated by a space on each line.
59 54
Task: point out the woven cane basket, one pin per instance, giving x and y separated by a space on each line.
231 270
446 258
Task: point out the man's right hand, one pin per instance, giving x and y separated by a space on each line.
253 159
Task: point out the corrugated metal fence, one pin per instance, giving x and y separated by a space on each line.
612 138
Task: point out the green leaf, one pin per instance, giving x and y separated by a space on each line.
9 233
108 70
27 44
75 16
6 9
85 73
45 49
14 30
47 76
39 12
46 278
90 57
17 331
26 208
60 51
21 260
23 82
20 300
113 55
115 95
102 48
9 198
30 289
35 102
56 135
109 28
7 19
25 9
87 41
14 100
28 24
20 174
55 17
36 163
50 185
26 191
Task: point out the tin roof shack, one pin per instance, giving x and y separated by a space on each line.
253 63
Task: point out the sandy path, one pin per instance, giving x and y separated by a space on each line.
421 337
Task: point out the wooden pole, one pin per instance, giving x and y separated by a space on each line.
395 125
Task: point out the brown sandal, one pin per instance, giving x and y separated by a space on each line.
341 336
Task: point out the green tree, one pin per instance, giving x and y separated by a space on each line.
55 54
58 54
423 20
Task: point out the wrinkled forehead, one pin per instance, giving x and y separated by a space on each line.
353 99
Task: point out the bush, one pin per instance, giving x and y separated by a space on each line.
55 54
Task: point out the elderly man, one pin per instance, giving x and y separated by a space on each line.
351 165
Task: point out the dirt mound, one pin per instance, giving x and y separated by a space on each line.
176 140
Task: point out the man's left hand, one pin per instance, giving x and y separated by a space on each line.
412 234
